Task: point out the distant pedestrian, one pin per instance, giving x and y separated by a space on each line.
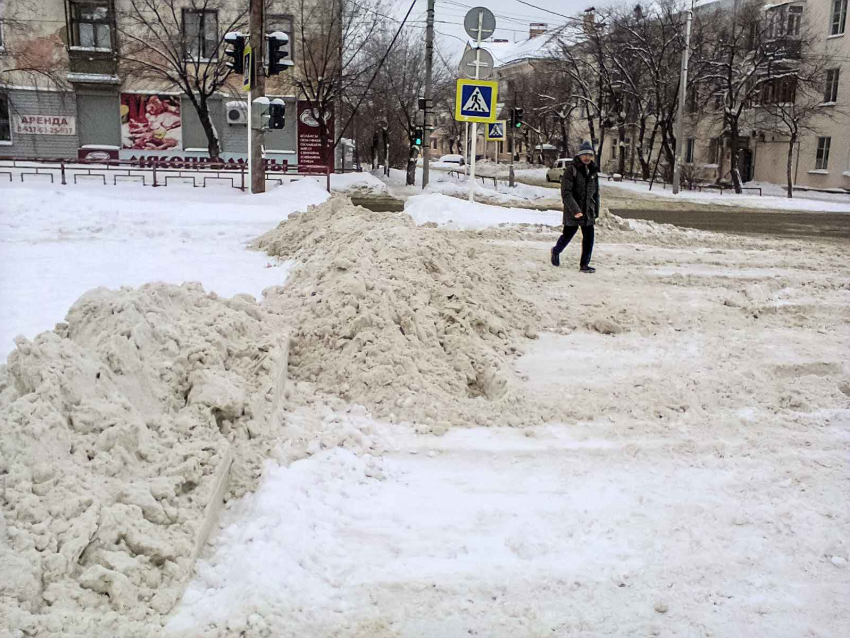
580 193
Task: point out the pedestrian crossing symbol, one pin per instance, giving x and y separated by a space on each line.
476 101
496 131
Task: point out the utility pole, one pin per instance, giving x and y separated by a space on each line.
683 90
429 87
258 89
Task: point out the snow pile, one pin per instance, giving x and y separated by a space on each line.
118 431
522 195
458 214
413 323
58 242
357 183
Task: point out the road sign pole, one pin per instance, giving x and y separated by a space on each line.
475 124
466 145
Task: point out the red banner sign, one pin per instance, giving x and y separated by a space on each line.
311 151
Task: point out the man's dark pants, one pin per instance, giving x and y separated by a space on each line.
586 242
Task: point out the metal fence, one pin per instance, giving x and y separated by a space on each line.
151 172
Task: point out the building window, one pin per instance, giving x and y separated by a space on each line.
692 103
689 151
795 19
784 21
200 33
714 146
5 128
2 41
90 24
281 23
839 17
822 158
831 93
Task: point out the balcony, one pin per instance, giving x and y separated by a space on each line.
785 48
91 39
91 61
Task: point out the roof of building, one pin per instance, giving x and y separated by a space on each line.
536 48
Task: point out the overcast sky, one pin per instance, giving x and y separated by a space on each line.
512 16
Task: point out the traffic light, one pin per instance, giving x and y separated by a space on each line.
517 118
234 48
418 134
260 113
278 52
277 114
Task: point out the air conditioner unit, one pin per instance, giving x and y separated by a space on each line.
237 112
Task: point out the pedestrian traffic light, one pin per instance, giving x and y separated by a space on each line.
277 114
417 136
260 110
517 119
278 44
234 48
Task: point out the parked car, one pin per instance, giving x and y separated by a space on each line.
453 159
555 173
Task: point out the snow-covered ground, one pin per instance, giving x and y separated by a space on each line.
58 242
499 193
691 477
458 214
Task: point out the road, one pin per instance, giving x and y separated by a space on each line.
725 219
702 216
782 224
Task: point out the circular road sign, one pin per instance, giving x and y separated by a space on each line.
481 15
481 58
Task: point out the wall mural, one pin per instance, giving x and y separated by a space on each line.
150 122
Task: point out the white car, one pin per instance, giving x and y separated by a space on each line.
555 173
453 159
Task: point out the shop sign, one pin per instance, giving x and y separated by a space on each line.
312 152
45 124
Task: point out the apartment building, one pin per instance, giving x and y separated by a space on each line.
821 159
64 92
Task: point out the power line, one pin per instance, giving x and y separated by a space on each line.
377 70
534 6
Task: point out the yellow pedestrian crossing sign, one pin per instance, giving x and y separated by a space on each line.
248 68
475 101
496 131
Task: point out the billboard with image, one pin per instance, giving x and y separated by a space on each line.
150 122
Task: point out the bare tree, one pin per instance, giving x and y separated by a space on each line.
791 105
746 57
329 48
580 56
179 44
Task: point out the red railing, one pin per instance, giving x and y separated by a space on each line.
159 170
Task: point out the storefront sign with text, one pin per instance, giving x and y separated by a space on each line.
45 124
310 149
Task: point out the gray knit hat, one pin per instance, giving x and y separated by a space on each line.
586 149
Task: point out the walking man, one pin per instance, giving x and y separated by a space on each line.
580 193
